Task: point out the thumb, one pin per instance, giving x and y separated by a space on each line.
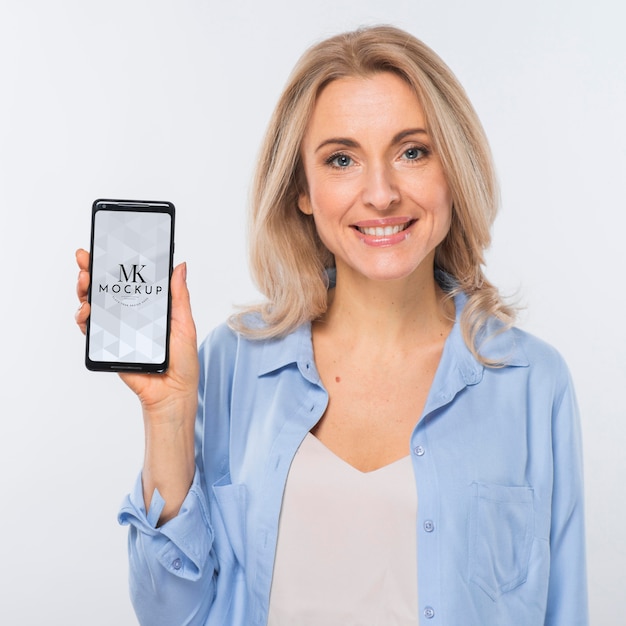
181 304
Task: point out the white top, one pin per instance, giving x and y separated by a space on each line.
347 544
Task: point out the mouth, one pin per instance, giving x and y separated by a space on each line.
383 230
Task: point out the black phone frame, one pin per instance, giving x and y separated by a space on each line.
148 206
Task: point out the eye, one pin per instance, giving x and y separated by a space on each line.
339 160
414 153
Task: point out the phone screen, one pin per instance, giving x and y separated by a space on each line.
131 263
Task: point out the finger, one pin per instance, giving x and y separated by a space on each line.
81 316
181 304
82 258
82 285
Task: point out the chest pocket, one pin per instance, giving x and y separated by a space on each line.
231 504
501 536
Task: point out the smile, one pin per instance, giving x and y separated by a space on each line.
384 231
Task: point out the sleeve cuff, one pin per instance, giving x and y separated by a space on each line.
181 545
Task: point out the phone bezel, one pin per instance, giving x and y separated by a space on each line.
148 206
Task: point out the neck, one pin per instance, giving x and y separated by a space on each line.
388 312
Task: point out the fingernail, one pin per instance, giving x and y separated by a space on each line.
185 271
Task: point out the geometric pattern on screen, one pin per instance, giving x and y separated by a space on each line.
131 252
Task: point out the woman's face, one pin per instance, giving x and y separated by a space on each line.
376 189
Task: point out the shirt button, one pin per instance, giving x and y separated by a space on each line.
429 526
177 564
429 612
419 451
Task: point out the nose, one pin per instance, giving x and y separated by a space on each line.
380 190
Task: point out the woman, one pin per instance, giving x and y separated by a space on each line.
383 369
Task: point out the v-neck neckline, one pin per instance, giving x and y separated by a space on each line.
342 462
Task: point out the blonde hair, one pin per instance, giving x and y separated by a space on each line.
289 262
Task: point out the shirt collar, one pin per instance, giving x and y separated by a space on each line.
503 346
296 347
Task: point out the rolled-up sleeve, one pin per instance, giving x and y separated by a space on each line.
172 569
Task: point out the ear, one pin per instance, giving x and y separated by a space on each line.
304 203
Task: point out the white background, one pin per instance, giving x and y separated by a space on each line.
168 100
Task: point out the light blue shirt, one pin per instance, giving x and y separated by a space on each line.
497 462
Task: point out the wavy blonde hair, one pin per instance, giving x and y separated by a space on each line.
288 260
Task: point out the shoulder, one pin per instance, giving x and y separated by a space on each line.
535 348
221 340
230 347
224 343
223 355
512 346
538 352
546 369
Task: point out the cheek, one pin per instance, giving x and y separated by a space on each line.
439 197
444 218
330 198
435 198
444 214
329 207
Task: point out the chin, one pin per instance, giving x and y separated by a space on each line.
393 268
388 274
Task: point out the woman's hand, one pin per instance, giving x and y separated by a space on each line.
157 391
169 400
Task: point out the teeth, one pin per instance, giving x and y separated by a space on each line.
380 231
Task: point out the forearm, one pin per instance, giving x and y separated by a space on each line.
169 463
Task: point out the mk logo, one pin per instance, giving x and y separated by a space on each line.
134 271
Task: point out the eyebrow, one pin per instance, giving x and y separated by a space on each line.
350 143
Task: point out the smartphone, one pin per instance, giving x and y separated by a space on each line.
132 254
